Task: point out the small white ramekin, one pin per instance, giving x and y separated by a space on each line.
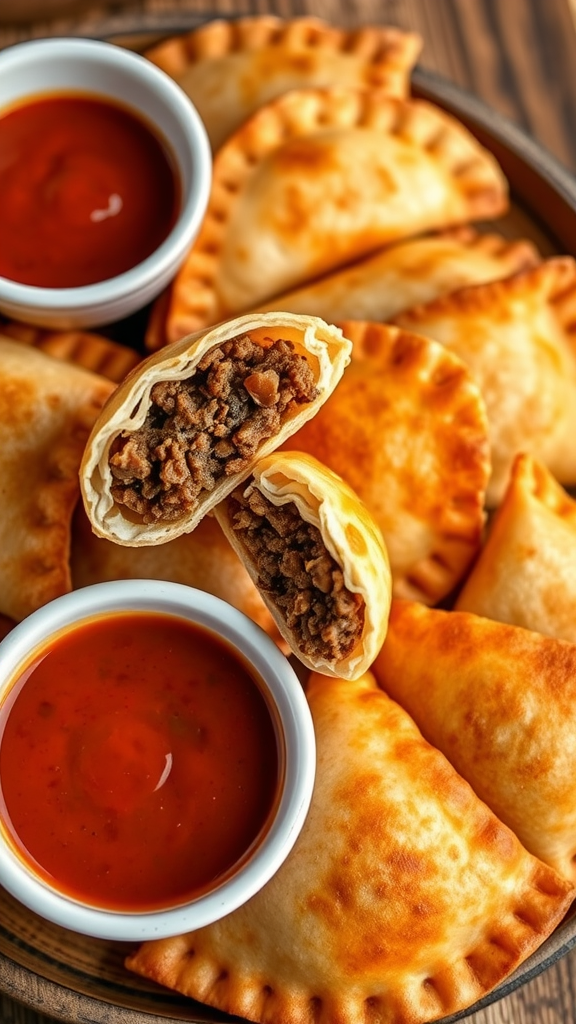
86 66
296 745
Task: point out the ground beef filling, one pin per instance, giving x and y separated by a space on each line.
299 575
207 427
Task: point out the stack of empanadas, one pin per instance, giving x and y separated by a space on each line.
361 445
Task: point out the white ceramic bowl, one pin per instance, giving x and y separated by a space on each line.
81 65
296 747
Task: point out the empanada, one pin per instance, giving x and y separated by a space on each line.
46 411
315 179
391 280
231 68
316 556
404 898
90 351
201 559
406 428
526 572
500 703
189 423
516 335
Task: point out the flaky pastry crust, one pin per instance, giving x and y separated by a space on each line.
315 179
230 68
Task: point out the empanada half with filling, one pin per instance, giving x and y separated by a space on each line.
92 352
190 422
203 559
404 898
320 177
500 703
406 428
398 277
516 336
316 556
526 571
47 409
230 68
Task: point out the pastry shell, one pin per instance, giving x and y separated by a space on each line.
407 429
404 898
315 179
230 68
349 534
324 348
500 703
384 284
517 337
47 409
526 571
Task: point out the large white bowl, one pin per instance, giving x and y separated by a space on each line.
74 65
296 745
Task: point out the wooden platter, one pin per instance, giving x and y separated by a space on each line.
73 978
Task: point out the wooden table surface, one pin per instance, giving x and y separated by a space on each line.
519 56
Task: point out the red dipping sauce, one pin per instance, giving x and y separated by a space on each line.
87 191
138 762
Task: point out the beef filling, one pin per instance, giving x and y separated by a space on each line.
299 575
209 426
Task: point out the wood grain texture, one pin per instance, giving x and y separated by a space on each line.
519 56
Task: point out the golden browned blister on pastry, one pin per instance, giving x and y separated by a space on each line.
46 411
316 556
203 559
500 702
82 348
190 422
391 280
406 428
231 68
404 898
517 338
320 177
526 572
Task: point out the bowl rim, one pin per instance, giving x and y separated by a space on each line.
193 201
283 691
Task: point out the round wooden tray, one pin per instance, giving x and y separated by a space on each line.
73 978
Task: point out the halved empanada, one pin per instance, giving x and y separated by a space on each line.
231 68
189 423
516 337
384 284
92 352
500 703
526 572
403 900
46 411
406 428
316 556
202 559
320 177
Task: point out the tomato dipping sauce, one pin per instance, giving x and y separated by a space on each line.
139 762
87 191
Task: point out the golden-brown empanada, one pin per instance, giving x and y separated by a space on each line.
526 572
403 900
315 179
189 423
92 352
517 340
406 428
391 280
500 703
231 68
201 559
316 556
46 411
